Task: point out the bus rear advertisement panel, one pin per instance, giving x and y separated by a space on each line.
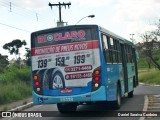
63 61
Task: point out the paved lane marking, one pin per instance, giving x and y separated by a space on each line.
145 106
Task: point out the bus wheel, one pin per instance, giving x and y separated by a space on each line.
130 94
117 103
66 107
57 81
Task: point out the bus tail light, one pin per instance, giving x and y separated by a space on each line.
35 77
37 84
97 72
96 79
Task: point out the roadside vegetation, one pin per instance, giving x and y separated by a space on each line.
148 52
15 84
148 72
151 77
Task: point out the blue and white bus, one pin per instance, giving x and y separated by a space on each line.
79 64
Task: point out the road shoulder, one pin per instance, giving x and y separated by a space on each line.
18 105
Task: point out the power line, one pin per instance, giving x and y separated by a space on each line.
26 12
30 19
15 27
33 18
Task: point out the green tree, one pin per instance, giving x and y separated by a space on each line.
13 47
151 46
28 56
3 62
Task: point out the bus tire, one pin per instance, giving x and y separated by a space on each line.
66 107
57 81
130 94
117 103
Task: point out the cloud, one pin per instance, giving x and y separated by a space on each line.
30 3
137 16
44 3
92 3
133 10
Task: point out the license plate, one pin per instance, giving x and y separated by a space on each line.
68 99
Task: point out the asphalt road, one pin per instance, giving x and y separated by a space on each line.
100 111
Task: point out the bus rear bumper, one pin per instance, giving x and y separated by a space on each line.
99 95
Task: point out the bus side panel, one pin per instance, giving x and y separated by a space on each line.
110 75
99 96
131 74
112 71
103 67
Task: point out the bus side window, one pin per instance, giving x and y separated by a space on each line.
126 53
130 54
105 42
109 56
109 52
119 53
111 43
116 50
106 51
104 45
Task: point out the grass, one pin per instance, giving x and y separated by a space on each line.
15 85
14 74
5 109
13 92
150 77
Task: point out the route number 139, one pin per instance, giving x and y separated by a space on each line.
42 63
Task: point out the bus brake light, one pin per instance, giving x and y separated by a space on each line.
96 79
36 83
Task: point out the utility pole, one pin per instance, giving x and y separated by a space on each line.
133 41
60 5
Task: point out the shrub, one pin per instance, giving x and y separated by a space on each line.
150 77
15 84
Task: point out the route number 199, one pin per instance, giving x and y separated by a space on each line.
79 59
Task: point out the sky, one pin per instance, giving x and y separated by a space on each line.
19 18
